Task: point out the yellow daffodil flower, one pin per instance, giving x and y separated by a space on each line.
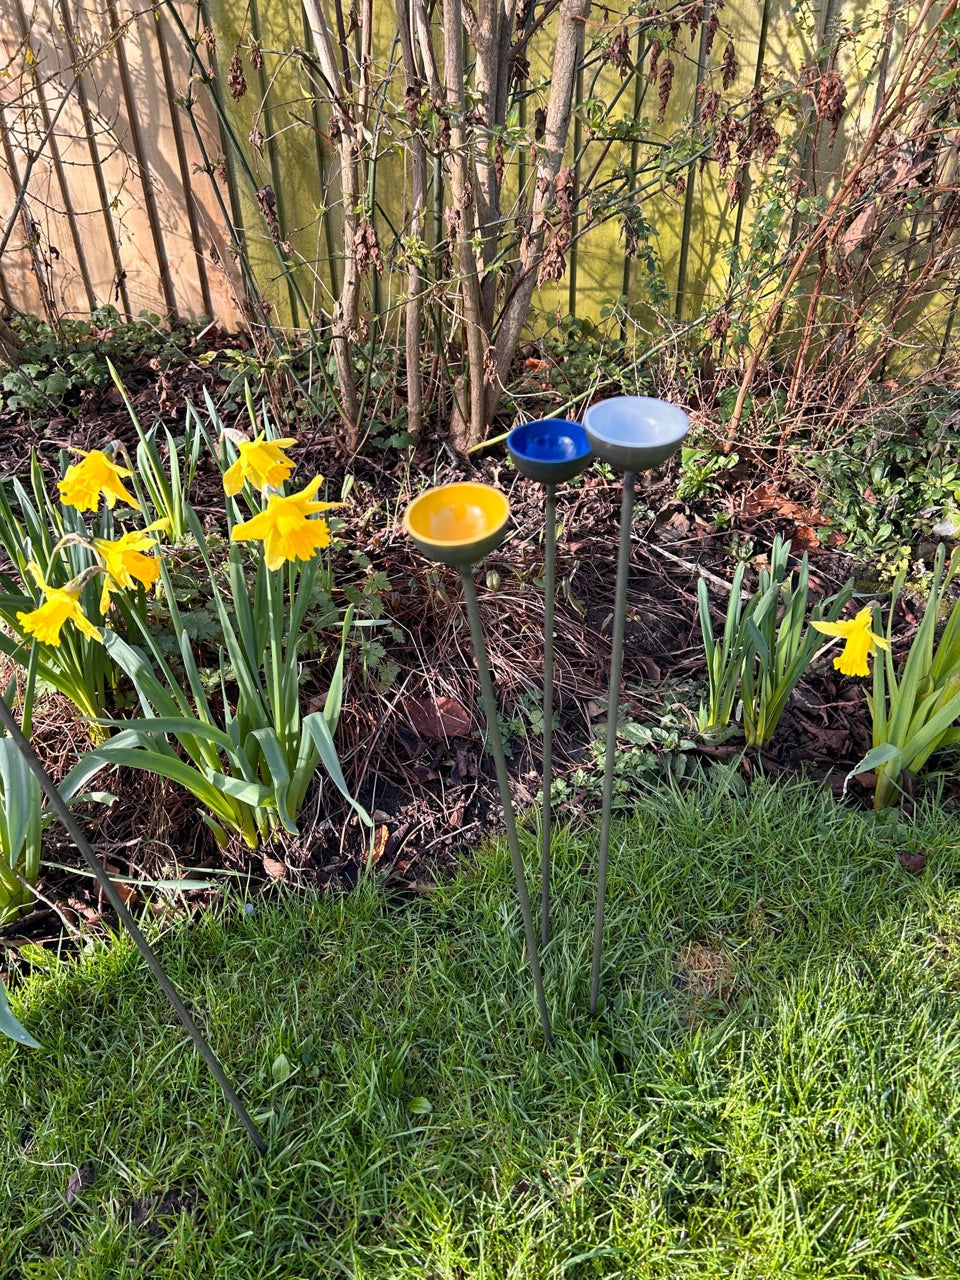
60 605
861 642
93 475
126 560
284 526
262 462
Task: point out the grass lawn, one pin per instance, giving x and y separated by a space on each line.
772 1087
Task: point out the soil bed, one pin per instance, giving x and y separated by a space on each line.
412 751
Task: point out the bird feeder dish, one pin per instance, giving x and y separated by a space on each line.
635 433
549 451
457 523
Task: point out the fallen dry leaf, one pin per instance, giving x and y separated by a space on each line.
380 837
439 718
81 1178
805 539
767 497
272 867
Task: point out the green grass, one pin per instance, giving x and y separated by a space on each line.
793 1113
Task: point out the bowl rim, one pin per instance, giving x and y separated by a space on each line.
425 538
675 434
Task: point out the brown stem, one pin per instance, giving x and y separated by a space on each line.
346 311
415 280
491 35
464 432
807 336
567 53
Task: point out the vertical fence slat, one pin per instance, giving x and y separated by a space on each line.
742 201
273 160
331 263
143 167
573 255
691 169
120 292
238 230
639 92
5 294
190 198
36 262
57 162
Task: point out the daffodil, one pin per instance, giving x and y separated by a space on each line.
60 606
126 562
285 528
861 642
262 462
93 475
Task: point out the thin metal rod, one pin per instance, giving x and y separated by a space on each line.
503 779
179 1008
549 588
613 698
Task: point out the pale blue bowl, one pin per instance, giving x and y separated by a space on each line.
635 433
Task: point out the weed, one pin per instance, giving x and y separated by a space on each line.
701 472
56 366
894 479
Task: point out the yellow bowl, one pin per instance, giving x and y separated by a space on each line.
457 523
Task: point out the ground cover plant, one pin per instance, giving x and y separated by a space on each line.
770 1088
408 734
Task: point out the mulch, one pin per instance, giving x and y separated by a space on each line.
413 752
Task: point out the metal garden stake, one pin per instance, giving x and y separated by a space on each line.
549 451
633 433
459 524
110 893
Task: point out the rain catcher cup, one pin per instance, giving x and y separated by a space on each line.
549 451
458 524
632 433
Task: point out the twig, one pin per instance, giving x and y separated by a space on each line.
70 928
695 568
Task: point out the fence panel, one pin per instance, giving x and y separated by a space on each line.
140 146
103 193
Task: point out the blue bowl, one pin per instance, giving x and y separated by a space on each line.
635 433
551 450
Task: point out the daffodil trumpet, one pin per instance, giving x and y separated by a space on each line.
287 526
59 606
95 476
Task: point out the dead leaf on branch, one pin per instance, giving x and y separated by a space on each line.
859 230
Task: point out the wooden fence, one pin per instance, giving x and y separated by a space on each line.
124 180
103 193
